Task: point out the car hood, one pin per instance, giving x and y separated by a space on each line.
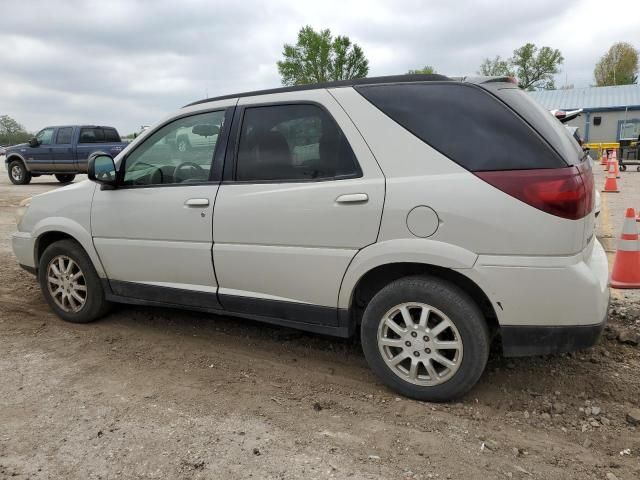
14 148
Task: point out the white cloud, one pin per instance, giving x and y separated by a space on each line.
129 63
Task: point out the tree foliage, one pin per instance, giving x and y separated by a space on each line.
427 69
498 67
319 57
534 67
11 132
619 66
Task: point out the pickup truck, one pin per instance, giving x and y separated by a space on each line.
62 151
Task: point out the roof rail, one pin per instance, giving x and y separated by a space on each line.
339 83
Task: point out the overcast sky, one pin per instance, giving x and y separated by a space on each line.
130 63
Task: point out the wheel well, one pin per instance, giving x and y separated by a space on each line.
14 157
374 280
47 239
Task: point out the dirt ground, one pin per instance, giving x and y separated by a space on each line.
158 393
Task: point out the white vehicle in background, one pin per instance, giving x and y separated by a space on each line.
341 207
197 136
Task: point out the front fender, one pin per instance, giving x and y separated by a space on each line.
73 229
406 250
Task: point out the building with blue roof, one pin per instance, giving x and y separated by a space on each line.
610 114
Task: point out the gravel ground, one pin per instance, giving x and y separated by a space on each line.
158 393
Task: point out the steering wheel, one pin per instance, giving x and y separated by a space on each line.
196 170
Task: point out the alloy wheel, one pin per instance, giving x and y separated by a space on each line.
420 344
66 283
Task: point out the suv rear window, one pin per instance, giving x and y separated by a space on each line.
465 123
542 121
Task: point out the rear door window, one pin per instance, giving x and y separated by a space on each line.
64 135
465 123
292 143
111 135
91 135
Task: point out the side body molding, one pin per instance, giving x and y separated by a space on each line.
406 250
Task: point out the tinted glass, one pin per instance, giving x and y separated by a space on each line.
466 124
180 152
111 135
91 135
64 135
292 142
45 136
542 121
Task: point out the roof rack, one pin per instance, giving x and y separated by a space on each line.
339 83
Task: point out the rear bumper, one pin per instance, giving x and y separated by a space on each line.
547 304
523 341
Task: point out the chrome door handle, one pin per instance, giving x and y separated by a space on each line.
197 202
353 198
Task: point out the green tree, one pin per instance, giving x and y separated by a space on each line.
319 57
11 132
427 69
619 66
533 67
498 67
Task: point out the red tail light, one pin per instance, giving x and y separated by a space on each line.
563 192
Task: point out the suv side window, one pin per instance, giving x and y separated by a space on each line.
64 135
45 137
292 143
179 152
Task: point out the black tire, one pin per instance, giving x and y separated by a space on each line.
95 305
461 310
623 167
18 173
65 177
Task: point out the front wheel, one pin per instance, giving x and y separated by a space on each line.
18 173
70 283
425 338
65 177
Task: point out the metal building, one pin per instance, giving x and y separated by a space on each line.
610 114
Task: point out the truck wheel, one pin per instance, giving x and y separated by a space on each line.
70 283
425 338
18 174
65 177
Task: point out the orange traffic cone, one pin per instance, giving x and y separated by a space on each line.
616 166
638 219
626 265
611 184
603 158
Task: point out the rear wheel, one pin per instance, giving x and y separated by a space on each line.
65 177
425 338
70 283
18 173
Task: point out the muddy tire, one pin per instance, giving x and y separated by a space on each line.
425 338
70 284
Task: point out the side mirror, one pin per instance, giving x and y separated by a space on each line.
205 130
33 142
102 169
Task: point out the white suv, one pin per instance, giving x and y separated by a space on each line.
431 215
